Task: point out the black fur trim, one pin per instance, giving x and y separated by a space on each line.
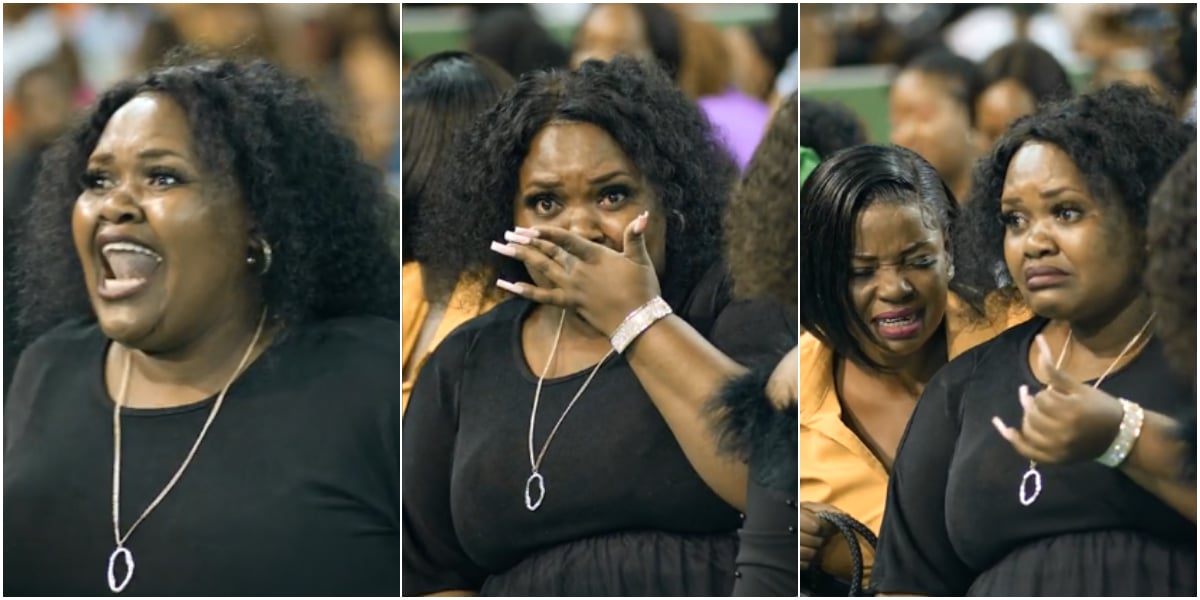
751 430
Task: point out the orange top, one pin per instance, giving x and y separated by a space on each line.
836 467
466 303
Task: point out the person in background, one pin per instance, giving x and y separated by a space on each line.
826 127
43 99
1018 78
931 106
1171 282
443 95
512 37
691 51
755 414
215 303
1011 480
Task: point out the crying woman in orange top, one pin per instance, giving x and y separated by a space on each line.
881 313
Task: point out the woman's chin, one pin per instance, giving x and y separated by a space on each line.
129 328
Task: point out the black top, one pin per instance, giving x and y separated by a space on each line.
954 524
751 430
624 512
294 491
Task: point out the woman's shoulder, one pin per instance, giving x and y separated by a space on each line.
816 373
67 339
968 327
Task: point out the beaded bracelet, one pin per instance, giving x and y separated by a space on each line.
1127 435
638 321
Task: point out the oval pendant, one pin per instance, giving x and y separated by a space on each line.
1033 474
112 563
530 503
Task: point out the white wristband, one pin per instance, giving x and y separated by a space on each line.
638 321
1127 435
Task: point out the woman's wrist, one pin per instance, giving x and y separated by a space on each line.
1128 433
637 322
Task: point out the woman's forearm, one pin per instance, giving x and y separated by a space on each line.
681 371
1156 463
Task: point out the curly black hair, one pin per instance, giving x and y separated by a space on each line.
1171 272
827 127
661 131
831 201
1031 65
760 222
324 210
1121 138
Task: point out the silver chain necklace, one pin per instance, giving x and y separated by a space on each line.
1033 475
121 550
534 464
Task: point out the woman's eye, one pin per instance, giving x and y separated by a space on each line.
1070 215
95 181
862 273
1012 220
615 195
164 178
924 262
542 204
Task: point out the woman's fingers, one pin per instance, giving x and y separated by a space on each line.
554 297
533 258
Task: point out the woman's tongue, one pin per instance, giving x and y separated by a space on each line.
131 266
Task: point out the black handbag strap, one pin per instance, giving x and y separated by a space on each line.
851 529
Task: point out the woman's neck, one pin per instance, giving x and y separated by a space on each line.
911 372
1107 337
193 370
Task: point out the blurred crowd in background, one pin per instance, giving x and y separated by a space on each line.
736 60
946 80
57 57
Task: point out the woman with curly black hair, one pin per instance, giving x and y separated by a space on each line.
756 413
882 311
205 238
998 490
557 445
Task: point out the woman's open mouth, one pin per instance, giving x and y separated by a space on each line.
127 269
899 325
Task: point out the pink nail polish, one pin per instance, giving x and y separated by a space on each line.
525 231
516 238
508 286
499 248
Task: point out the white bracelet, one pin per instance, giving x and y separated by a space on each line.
1127 435
638 321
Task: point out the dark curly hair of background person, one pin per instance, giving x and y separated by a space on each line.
1171 272
760 222
1120 138
660 130
323 209
826 127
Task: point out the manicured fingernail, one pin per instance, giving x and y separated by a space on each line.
506 250
640 225
1026 400
508 286
527 232
1000 426
516 238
